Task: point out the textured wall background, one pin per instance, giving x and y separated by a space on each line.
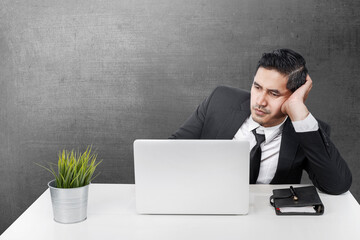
74 73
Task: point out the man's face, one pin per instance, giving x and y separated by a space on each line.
268 93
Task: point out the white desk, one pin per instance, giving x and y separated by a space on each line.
111 215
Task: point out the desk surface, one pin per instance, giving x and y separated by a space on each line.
111 215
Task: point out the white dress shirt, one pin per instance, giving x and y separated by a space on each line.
270 148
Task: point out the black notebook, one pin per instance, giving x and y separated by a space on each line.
297 201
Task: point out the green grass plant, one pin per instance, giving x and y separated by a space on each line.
74 169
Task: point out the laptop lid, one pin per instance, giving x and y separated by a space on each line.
191 176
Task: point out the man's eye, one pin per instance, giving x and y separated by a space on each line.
274 94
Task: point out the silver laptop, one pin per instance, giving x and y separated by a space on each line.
191 176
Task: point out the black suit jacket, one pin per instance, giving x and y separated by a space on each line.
225 110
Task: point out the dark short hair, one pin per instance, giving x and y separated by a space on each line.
288 63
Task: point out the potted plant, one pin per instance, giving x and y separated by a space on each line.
69 189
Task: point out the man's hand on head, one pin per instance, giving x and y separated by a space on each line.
295 106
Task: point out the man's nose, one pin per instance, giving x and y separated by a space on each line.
261 99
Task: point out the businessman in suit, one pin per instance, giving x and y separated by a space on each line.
292 140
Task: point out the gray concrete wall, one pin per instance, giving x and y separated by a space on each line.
75 73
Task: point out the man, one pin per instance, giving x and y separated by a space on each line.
294 140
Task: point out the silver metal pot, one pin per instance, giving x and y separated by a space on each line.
69 204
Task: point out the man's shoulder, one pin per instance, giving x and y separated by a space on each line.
225 97
231 93
231 90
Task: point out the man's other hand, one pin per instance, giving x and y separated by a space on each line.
294 106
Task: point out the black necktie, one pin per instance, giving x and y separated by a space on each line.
255 157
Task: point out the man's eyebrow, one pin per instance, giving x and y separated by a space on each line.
255 83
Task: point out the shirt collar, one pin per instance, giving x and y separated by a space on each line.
270 132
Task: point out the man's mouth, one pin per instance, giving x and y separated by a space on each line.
260 112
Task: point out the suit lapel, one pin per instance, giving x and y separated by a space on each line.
288 148
234 121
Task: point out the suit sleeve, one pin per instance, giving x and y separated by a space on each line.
193 126
325 166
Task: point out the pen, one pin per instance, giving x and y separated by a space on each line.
295 197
